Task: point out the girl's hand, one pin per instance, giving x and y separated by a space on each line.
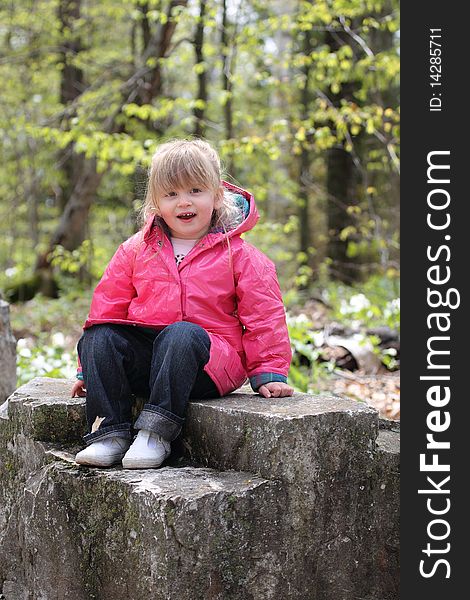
78 390
275 389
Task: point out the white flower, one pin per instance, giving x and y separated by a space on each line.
392 307
39 362
318 338
358 302
298 319
58 339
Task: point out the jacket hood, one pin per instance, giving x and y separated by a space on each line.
248 222
252 217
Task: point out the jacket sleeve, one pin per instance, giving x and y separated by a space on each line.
262 314
114 292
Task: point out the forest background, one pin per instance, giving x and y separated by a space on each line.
301 98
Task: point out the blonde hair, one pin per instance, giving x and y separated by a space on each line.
179 164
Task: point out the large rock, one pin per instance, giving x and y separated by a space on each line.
44 411
184 533
7 353
291 498
342 484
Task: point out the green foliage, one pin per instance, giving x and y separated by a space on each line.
44 361
47 331
47 316
375 303
21 287
306 370
71 261
267 74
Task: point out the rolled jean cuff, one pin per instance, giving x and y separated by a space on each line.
122 430
160 421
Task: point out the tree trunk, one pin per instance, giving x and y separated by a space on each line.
199 110
387 207
70 232
157 47
277 204
226 79
341 183
227 87
71 86
305 160
343 186
32 192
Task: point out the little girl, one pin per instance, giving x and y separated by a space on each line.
185 309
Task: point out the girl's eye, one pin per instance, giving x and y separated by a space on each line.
195 190
170 194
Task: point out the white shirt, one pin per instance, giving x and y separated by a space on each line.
181 248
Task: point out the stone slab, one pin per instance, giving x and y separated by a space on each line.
289 438
170 533
241 431
44 410
389 442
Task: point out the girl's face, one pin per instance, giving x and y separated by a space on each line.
188 212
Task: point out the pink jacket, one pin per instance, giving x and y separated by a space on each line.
231 290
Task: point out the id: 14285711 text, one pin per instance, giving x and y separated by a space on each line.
435 69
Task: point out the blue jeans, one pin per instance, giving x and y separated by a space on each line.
120 361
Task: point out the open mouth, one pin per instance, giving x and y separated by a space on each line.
186 216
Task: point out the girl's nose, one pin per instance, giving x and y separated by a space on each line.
184 200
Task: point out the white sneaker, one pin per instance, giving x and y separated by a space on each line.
104 453
148 451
